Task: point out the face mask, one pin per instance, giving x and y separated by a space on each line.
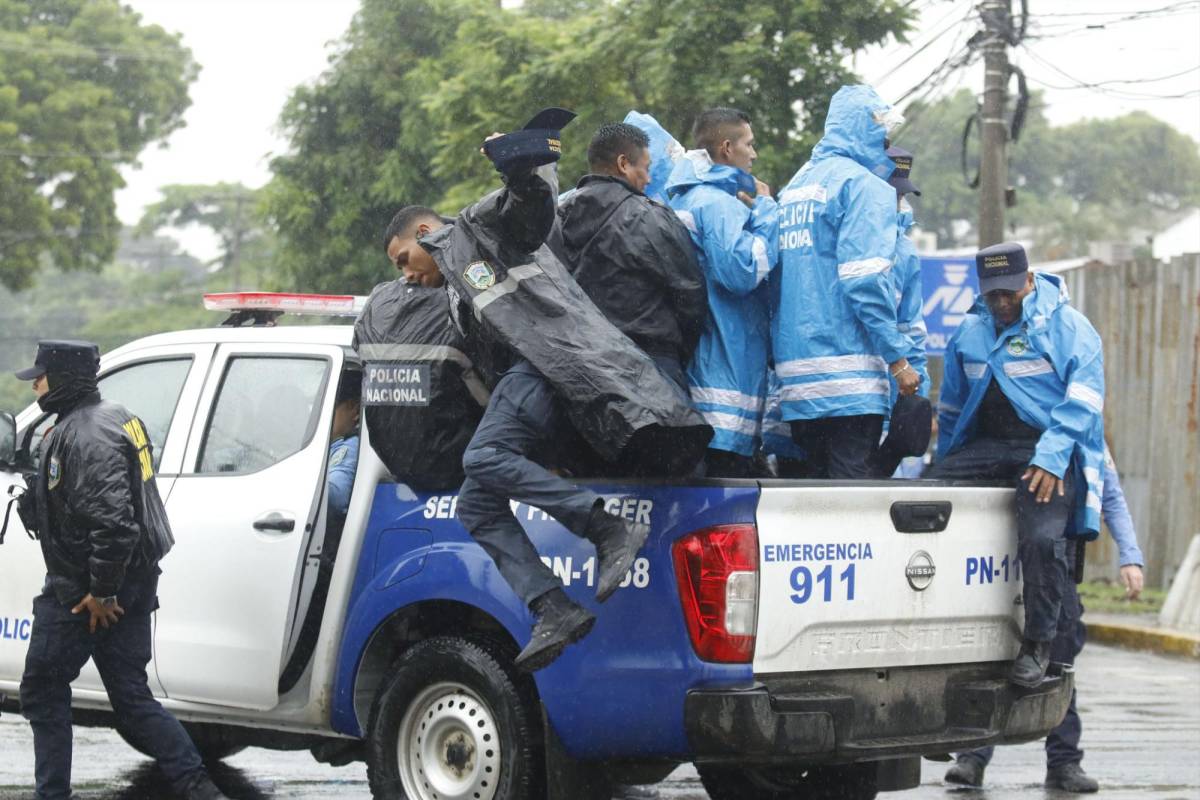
890 118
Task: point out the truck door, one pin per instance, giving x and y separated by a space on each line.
244 510
160 385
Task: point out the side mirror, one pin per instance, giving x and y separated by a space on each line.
8 440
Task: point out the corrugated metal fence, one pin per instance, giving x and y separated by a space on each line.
1149 317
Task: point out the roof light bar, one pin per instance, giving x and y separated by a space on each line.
328 305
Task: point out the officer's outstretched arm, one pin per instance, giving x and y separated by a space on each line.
1116 516
741 245
866 249
524 211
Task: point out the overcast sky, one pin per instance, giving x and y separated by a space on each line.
254 52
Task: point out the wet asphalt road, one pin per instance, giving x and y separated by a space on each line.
1141 717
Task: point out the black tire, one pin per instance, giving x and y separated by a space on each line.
213 742
842 782
488 738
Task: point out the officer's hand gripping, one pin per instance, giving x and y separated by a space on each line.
105 614
1043 483
907 379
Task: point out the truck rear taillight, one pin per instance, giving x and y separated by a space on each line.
717 571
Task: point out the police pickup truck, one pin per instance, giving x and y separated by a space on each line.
790 638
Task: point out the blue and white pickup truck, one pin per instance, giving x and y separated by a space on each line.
792 639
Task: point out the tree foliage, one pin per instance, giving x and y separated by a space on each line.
1089 181
418 84
84 87
231 212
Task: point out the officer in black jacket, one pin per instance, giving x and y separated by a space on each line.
632 255
103 530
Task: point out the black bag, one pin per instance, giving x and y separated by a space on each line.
422 397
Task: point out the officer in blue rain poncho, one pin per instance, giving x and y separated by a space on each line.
1022 399
834 332
911 416
733 222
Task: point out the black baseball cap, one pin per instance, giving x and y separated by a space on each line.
900 180
62 356
538 143
1001 267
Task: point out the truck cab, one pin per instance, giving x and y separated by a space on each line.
791 638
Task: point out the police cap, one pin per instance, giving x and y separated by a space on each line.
900 175
61 356
538 143
1001 267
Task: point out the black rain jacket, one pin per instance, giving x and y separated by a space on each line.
636 262
99 511
508 290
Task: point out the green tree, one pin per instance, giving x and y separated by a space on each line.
1089 181
231 212
399 116
84 87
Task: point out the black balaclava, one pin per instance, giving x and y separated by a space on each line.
68 391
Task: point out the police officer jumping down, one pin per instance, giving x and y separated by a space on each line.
103 530
1022 400
572 372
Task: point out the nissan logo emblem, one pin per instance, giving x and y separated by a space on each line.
920 570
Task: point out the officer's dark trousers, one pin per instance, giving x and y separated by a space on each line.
523 426
1062 743
839 447
59 646
1041 527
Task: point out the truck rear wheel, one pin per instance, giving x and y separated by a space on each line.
841 782
453 721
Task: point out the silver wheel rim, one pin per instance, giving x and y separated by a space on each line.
449 746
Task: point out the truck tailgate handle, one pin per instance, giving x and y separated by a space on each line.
274 521
926 516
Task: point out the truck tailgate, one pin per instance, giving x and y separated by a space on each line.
842 586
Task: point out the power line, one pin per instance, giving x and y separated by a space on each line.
927 44
1116 93
1099 84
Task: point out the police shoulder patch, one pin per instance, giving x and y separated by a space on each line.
480 275
53 472
1017 346
338 456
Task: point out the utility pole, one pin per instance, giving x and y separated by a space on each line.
993 166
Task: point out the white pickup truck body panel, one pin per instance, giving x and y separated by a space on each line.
833 590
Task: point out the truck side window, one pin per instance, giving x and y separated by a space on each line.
265 411
149 389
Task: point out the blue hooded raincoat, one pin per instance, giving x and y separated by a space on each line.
834 328
737 248
1050 366
910 315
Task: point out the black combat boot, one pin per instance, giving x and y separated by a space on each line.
1071 778
201 787
617 543
1032 662
559 623
967 771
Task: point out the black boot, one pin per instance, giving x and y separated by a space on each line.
1071 778
559 623
201 787
967 771
617 543
1032 662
